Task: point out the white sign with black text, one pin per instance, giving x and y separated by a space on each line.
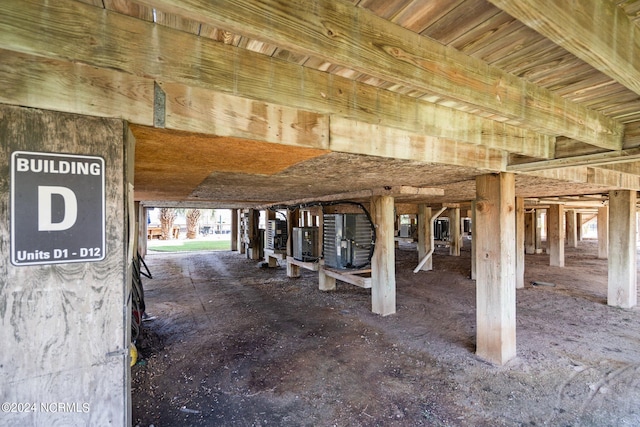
57 208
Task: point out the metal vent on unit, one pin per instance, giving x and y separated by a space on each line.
441 229
305 243
276 234
347 240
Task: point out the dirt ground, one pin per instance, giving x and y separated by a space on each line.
232 344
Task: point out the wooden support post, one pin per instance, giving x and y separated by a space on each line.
325 282
241 232
425 235
623 288
572 228
293 270
383 270
495 233
143 229
66 327
519 243
253 250
473 241
454 232
546 232
539 225
234 229
555 238
603 232
530 232
579 223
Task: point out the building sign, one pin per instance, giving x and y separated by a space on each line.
57 208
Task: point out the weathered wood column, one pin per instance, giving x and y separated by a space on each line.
425 235
603 232
383 269
241 232
539 225
234 229
572 228
555 237
143 228
622 290
293 216
66 326
454 232
530 232
495 233
579 223
474 240
253 249
519 242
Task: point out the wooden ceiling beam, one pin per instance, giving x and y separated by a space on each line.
349 136
343 34
596 31
592 175
193 67
399 191
598 159
74 88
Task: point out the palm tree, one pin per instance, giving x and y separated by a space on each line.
167 216
193 216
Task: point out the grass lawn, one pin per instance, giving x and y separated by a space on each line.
190 245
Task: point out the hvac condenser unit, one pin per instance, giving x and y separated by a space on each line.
347 240
441 229
305 243
276 234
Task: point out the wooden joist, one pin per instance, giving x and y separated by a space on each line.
198 68
397 191
352 37
596 31
598 159
312 266
354 277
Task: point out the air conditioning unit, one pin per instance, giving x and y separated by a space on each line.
276 234
407 230
348 240
305 243
441 229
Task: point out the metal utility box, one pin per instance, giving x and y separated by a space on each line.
276 234
441 229
347 240
407 230
305 243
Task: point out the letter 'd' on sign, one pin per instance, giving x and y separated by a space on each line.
45 205
57 208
